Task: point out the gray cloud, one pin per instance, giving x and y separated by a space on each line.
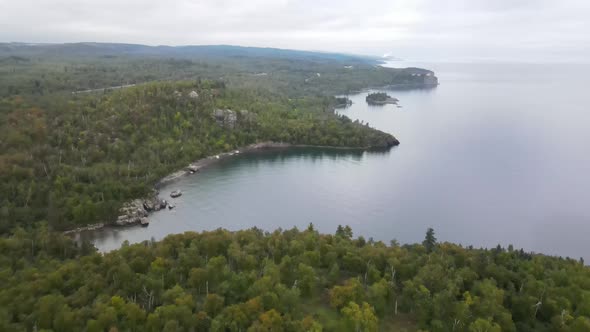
537 30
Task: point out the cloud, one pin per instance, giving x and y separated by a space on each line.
416 29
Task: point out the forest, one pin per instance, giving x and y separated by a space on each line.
75 161
75 146
285 280
77 67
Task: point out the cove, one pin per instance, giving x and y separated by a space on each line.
494 155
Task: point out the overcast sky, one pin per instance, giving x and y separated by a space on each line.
448 30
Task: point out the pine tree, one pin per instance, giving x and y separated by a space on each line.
340 231
430 240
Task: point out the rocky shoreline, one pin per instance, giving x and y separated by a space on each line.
202 163
136 211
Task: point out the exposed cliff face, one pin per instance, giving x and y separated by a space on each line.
421 76
225 118
229 119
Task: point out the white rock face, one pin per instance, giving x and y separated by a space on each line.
193 94
226 118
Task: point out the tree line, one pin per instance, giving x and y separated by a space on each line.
285 280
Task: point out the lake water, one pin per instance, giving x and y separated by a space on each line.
496 154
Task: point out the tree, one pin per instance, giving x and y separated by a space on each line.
268 321
362 318
311 325
483 325
340 231
213 304
378 295
580 324
429 241
351 291
348 232
306 279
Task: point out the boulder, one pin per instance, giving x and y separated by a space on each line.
192 168
153 204
193 94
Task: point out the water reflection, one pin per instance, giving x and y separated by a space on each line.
218 177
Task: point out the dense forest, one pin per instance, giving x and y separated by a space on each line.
86 127
289 280
72 159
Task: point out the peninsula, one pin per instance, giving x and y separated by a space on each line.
74 159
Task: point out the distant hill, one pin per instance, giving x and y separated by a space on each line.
192 51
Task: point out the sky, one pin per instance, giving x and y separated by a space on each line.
417 30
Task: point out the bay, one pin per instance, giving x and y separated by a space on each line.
496 154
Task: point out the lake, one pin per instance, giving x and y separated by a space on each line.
496 154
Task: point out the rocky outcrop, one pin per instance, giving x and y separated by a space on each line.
193 95
154 204
192 168
137 210
229 119
131 213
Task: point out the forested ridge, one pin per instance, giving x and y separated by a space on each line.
288 280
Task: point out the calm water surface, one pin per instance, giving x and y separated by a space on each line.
495 154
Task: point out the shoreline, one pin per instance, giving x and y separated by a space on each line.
196 166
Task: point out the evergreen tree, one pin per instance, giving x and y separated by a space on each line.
430 240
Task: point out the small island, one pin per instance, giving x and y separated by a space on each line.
380 98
